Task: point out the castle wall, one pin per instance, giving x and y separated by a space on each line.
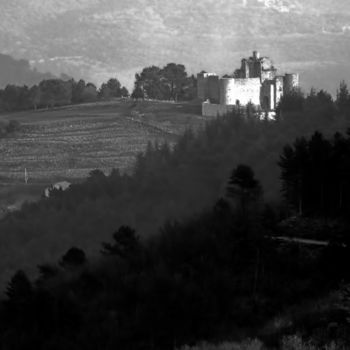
290 82
239 90
213 89
201 93
203 85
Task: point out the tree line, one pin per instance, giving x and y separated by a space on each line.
57 92
168 83
316 104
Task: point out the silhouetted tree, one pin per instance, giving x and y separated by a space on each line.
73 257
320 171
90 93
168 83
19 287
243 186
46 271
137 93
174 76
125 243
149 81
291 102
16 98
112 88
55 92
343 98
35 96
314 175
124 92
293 163
78 90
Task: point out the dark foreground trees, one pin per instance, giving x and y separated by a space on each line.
244 187
197 280
210 276
315 175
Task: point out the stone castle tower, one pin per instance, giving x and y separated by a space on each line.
256 82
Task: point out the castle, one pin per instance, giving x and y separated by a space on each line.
256 82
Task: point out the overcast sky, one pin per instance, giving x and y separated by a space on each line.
97 39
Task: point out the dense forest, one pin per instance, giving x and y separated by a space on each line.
167 183
194 254
219 275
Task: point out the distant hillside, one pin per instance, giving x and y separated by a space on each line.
19 72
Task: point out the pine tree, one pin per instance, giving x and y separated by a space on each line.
243 186
19 287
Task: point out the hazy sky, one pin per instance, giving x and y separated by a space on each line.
96 39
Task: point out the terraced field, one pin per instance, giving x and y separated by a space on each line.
67 143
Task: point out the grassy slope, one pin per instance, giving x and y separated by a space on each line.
69 142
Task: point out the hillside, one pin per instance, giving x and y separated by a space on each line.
214 277
69 142
165 184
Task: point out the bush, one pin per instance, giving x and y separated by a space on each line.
9 128
13 126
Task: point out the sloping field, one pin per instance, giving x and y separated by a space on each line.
69 142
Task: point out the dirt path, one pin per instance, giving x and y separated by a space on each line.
301 241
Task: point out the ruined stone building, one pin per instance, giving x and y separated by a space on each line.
256 82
